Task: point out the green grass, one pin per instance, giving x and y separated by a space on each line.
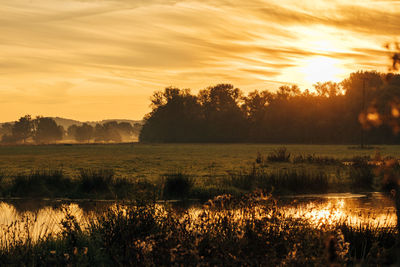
152 160
213 169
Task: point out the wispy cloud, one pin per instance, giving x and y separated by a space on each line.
123 49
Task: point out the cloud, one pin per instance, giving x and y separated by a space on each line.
125 47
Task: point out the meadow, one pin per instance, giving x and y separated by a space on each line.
149 161
170 171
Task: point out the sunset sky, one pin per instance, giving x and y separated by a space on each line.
102 59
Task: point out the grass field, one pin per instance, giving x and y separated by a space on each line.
182 170
151 160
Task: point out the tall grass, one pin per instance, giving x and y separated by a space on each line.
96 181
177 185
41 183
279 155
90 183
315 159
281 181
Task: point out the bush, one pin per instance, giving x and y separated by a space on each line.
95 181
41 183
177 185
279 155
313 159
361 174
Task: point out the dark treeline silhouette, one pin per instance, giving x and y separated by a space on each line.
44 130
111 131
365 107
40 130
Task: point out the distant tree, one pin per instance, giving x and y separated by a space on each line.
125 128
137 127
84 133
71 131
6 129
47 130
8 139
112 131
23 129
108 132
99 133
327 89
285 91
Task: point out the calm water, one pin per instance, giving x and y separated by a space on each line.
41 217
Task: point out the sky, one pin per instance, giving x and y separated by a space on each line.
103 59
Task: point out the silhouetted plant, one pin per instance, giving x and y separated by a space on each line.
41 183
177 185
362 174
279 155
94 181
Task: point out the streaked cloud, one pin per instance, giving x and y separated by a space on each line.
64 53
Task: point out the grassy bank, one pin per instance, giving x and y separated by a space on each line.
249 230
280 171
104 184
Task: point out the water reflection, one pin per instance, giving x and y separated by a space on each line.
374 209
20 218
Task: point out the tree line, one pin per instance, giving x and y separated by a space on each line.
44 130
365 106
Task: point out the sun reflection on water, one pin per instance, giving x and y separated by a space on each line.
376 211
341 211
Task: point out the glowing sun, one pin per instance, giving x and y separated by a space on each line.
321 69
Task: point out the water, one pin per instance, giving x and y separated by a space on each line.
42 217
374 209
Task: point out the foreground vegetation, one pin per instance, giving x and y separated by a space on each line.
250 230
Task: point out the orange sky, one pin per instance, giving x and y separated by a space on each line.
102 59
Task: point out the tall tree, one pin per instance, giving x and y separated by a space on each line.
84 133
47 130
23 128
226 121
176 117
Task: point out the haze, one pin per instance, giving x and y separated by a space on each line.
99 59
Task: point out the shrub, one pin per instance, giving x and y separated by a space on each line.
361 174
177 185
279 155
43 183
314 159
94 181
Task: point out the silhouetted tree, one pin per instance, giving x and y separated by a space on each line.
84 133
176 117
112 131
47 130
226 121
6 129
71 131
331 115
23 129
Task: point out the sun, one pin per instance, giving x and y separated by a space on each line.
321 69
